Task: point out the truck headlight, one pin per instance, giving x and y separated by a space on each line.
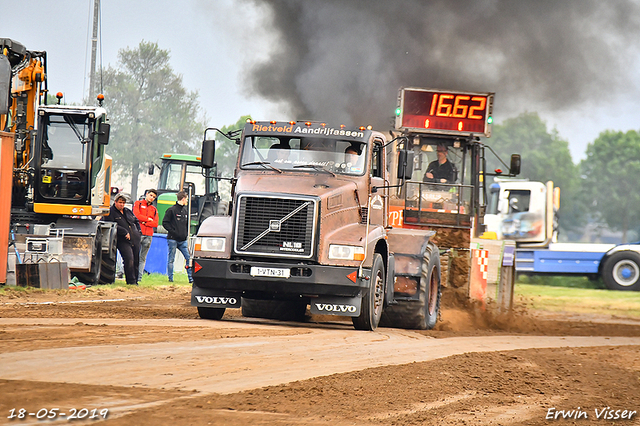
346 252
210 243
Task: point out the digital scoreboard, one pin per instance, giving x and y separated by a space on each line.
446 112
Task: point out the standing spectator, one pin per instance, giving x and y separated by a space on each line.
147 214
176 222
128 237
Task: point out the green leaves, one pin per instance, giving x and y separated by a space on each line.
150 110
610 172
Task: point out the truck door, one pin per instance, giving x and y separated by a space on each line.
378 203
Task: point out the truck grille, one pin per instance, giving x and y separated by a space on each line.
275 226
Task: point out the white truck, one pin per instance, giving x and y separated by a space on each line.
526 211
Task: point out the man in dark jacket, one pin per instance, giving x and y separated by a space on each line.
176 222
128 237
440 170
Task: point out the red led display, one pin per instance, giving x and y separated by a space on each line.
445 112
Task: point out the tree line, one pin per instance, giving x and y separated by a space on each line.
152 113
598 189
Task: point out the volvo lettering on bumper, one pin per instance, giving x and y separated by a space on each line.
217 301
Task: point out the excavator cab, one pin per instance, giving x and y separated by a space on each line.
69 162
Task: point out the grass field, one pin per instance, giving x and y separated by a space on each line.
148 281
579 300
153 280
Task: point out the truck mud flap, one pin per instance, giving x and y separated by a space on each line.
343 306
214 299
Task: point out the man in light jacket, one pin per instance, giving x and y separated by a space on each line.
147 214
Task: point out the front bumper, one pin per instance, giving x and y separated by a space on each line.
234 277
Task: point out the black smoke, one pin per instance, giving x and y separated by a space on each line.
344 60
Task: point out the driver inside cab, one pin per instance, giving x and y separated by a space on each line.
278 153
440 170
353 158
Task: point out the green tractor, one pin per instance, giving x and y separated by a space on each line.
184 172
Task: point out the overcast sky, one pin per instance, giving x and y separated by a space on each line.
213 43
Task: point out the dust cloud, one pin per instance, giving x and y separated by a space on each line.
345 60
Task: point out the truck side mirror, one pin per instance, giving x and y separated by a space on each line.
208 154
405 164
514 169
103 133
151 169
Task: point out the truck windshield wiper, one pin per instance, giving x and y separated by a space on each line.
263 163
314 167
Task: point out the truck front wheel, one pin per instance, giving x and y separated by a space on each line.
431 278
621 271
373 299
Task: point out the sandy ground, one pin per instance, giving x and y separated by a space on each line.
144 356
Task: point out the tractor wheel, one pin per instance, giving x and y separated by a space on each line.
420 314
373 299
621 271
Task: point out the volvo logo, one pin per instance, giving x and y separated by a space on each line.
274 225
327 307
214 300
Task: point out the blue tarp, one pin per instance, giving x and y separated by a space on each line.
157 256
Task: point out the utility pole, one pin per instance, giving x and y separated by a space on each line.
94 48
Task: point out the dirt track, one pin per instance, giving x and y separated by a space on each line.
145 356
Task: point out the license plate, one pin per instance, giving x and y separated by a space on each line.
270 272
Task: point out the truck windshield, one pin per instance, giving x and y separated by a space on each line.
171 177
440 189
308 154
63 158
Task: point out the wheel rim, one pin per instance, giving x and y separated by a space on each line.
626 273
433 293
378 293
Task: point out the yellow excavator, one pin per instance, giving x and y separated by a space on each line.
61 173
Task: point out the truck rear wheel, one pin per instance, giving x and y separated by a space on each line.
373 299
211 313
621 271
420 314
284 310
